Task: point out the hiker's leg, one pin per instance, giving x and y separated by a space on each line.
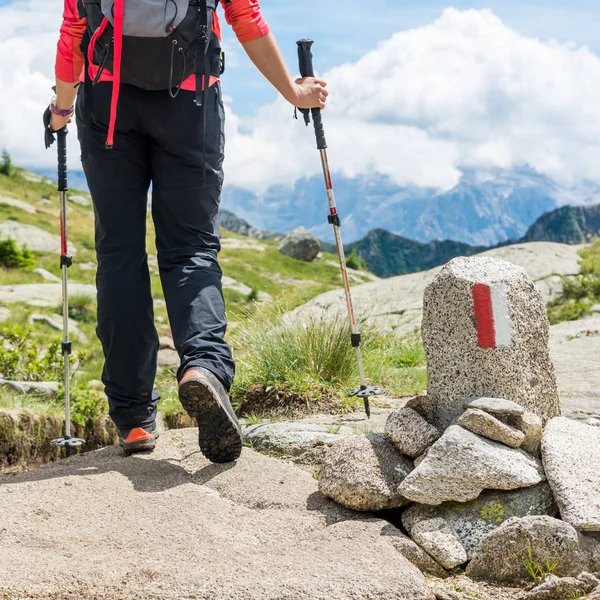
187 237
119 180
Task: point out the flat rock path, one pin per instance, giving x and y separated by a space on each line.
172 525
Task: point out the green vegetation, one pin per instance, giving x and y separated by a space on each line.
581 292
13 257
536 569
6 166
296 367
82 308
492 513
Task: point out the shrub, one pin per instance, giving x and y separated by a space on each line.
21 358
86 404
6 166
13 257
354 261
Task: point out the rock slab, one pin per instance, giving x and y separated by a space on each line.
414 553
554 588
364 472
485 333
506 551
571 457
495 406
293 438
461 464
488 426
411 433
438 539
254 530
472 521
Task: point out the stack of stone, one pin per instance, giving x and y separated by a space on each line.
484 473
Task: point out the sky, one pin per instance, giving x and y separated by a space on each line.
419 90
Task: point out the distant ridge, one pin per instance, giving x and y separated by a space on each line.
567 225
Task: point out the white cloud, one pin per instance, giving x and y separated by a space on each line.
462 91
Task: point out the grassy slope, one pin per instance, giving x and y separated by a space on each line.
288 281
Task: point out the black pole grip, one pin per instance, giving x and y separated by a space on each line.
305 59
62 159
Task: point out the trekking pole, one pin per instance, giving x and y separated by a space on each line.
364 391
65 262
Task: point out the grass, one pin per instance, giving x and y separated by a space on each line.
538 570
306 367
581 292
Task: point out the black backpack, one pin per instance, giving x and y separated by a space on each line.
163 42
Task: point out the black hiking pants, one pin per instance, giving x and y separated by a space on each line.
158 141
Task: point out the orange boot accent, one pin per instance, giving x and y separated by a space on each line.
138 435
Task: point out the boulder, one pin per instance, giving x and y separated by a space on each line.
44 389
414 553
461 464
531 425
554 588
411 433
488 426
422 404
364 473
43 294
168 358
485 333
296 439
33 237
300 244
78 199
18 204
495 406
534 542
472 521
438 539
571 457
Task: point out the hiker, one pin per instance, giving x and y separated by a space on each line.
149 111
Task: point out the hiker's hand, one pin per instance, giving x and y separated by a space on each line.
57 123
311 93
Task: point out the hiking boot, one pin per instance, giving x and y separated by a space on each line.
138 439
205 399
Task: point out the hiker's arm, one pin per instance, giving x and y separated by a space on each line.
303 93
69 60
253 33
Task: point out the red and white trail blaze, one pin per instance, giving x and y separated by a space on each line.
491 315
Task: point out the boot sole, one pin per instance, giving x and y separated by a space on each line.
141 446
219 439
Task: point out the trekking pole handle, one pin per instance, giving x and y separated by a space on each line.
62 159
305 58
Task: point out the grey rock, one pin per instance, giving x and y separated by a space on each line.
300 244
438 539
230 221
57 324
571 457
531 425
472 521
555 588
18 204
4 313
495 406
364 473
517 367
506 550
78 199
43 294
488 426
166 342
593 422
47 275
422 404
44 389
168 358
296 439
95 384
411 433
413 552
33 237
461 464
